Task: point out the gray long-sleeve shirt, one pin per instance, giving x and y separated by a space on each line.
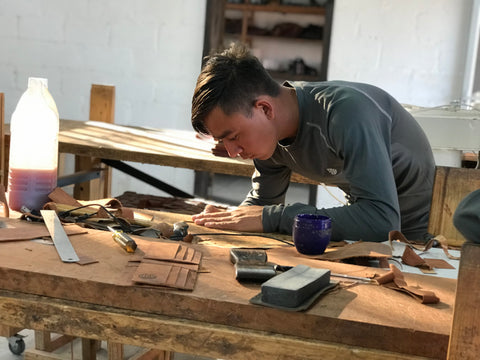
467 216
358 137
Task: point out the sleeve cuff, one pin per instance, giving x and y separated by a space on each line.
279 218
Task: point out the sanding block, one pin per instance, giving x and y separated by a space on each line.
295 286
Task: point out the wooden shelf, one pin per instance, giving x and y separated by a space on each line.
305 48
273 37
276 7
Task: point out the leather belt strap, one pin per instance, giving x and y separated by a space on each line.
395 280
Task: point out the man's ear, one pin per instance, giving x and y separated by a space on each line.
264 104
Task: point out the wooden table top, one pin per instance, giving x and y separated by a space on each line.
363 315
167 147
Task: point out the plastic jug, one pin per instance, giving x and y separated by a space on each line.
33 148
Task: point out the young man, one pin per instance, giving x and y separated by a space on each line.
352 135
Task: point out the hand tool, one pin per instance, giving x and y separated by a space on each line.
180 230
60 239
124 240
252 265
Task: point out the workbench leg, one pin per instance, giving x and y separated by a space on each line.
115 351
102 108
89 349
8 331
44 341
465 334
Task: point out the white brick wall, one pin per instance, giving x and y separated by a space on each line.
415 49
150 50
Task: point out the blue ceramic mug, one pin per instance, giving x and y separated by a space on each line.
311 233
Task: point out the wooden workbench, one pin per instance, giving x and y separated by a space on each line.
167 147
98 301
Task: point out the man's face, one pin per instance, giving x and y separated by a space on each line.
249 138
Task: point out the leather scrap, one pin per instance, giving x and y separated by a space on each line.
410 257
170 265
395 280
59 196
396 235
23 230
166 274
357 249
173 252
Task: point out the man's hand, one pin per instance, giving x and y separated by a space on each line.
243 218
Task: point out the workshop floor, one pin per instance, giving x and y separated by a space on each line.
66 351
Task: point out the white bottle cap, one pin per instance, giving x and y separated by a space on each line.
35 80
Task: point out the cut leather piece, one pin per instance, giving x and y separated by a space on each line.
439 264
173 252
61 197
86 260
410 257
444 243
159 273
395 280
383 263
22 230
442 240
358 249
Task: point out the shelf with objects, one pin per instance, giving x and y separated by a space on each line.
292 41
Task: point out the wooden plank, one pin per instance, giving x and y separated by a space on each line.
171 334
3 171
153 354
450 187
349 315
465 334
102 109
8 331
34 354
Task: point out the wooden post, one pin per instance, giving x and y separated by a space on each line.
450 187
102 108
465 333
3 171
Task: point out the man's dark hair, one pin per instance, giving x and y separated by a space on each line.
232 80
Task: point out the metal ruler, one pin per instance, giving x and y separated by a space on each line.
60 239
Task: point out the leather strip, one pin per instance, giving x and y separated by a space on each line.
357 249
442 240
395 280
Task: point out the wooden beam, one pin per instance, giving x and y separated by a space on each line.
3 171
171 334
465 335
102 108
451 185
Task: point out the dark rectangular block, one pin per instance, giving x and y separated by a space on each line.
295 286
